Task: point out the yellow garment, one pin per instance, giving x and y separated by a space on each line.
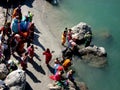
66 63
63 39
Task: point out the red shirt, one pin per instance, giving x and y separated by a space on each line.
48 55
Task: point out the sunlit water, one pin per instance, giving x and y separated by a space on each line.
104 18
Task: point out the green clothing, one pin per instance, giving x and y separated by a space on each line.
30 16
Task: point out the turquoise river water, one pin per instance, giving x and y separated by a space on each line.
104 18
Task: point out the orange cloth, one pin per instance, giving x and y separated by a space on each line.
14 13
66 63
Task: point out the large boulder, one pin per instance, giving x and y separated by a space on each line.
93 49
77 86
3 71
80 30
92 54
16 80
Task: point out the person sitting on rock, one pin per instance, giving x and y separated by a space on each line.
88 38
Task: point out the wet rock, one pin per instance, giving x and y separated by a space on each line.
91 54
54 87
71 86
53 2
94 56
93 49
2 14
3 71
16 80
80 30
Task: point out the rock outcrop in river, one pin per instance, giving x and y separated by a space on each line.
92 54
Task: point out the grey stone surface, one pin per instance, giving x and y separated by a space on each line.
92 54
3 71
16 80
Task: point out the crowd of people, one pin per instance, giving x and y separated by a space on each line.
62 71
63 74
15 35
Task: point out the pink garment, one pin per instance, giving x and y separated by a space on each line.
56 77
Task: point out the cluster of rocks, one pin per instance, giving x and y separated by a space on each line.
91 54
15 80
80 86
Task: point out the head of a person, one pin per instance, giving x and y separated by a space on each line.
66 29
70 30
65 32
28 11
32 46
56 61
71 71
19 6
26 53
48 50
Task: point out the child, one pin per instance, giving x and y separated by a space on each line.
30 50
24 60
